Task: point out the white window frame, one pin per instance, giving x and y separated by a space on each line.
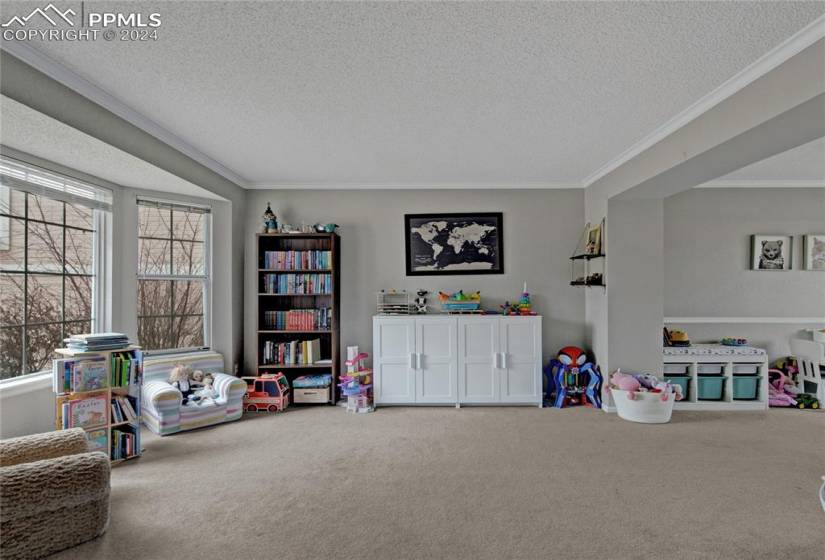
207 269
68 186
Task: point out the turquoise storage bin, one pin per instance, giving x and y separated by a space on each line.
682 381
711 388
745 387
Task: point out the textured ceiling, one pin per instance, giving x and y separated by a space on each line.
511 94
27 130
805 163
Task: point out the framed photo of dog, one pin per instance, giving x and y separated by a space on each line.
771 252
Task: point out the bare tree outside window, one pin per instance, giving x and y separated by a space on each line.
46 278
172 276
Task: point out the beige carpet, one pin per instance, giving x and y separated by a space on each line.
474 483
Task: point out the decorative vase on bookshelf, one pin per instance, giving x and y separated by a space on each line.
99 391
298 304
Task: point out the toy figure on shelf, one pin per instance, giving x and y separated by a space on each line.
420 301
572 380
270 221
459 302
509 308
524 305
356 383
267 393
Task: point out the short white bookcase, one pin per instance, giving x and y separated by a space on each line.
700 360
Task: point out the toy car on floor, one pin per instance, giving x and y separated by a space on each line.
804 400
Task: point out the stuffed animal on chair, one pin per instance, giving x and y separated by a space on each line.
181 378
203 383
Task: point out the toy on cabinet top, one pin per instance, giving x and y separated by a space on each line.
675 338
729 341
459 302
326 228
267 393
394 302
572 380
509 308
270 221
525 307
420 301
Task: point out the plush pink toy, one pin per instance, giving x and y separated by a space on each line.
625 382
781 390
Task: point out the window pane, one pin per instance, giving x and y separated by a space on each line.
45 209
79 251
188 331
44 300
79 216
45 247
40 344
78 297
188 258
12 202
11 352
188 298
154 297
11 299
154 222
155 333
78 327
12 243
154 256
187 226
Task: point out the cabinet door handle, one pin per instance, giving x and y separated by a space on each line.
412 361
495 360
504 360
418 361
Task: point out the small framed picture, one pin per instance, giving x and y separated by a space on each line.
771 252
815 251
594 241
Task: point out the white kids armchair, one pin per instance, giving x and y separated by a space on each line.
163 412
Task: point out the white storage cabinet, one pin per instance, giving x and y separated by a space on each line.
454 360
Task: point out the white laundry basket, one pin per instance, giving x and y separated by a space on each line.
647 408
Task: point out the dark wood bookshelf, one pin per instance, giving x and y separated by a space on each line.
330 338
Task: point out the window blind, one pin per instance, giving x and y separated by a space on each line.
35 180
168 205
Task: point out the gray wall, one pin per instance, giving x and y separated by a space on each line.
707 262
634 278
541 228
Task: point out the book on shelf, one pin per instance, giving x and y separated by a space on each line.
299 319
123 411
297 260
297 284
125 444
85 413
98 440
75 375
295 352
124 370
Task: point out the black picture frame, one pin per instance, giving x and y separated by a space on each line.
490 218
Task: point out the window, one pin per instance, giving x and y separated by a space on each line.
173 275
50 246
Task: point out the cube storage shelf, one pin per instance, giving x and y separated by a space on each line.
719 382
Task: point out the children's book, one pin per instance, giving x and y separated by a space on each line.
98 440
86 413
89 375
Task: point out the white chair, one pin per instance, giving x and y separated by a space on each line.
809 356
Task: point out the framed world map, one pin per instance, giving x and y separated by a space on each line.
445 244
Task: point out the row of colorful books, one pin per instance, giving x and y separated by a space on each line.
297 260
87 412
297 284
296 352
125 369
123 411
299 319
72 375
124 444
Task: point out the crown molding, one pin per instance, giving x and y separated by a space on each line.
745 320
792 46
87 89
415 186
763 184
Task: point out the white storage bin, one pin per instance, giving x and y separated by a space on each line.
709 369
745 369
646 408
675 369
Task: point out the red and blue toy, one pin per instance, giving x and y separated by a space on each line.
572 380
